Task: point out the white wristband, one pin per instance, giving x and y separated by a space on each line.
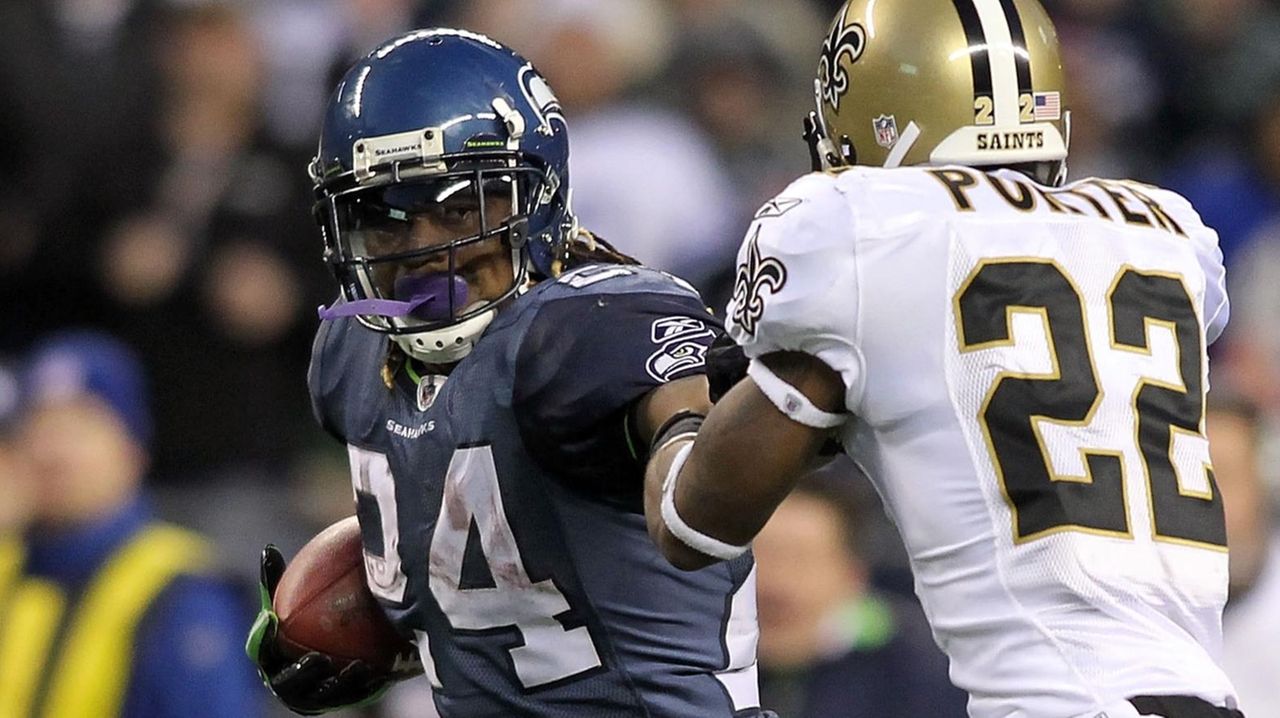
688 535
790 401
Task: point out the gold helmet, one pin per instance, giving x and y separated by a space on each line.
931 82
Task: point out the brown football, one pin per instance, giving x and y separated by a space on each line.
325 605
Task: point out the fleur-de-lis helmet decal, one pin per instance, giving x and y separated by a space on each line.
844 39
755 275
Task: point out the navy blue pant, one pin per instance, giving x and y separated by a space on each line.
1181 707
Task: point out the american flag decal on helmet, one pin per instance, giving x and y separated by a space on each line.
1048 106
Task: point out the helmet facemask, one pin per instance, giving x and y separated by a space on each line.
427 251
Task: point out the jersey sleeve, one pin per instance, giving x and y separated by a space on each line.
796 284
345 375
321 384
1204 240
582 363
1217 308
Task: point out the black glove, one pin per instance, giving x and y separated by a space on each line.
310 685
726 366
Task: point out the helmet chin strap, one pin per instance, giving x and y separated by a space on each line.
823 153
905 142
445 346
453 343
1061 179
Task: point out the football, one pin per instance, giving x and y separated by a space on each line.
324 604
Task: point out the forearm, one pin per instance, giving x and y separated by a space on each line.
746 458
679 554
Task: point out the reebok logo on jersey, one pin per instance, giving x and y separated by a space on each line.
755 275
683 346
777 207
670 329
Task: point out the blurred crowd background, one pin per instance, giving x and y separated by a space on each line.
152 185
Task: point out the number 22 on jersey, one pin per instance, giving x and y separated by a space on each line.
1086 409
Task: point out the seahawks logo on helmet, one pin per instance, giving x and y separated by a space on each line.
755 275
845 39
541 98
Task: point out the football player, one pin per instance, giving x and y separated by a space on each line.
498 376
1018 363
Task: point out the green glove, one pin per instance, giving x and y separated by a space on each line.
310 685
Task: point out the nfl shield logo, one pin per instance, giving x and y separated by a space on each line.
428 387
886 130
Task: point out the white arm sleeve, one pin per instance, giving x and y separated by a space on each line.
796 285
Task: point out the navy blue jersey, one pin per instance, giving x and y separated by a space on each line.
500 508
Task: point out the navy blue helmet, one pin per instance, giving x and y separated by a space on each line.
425 120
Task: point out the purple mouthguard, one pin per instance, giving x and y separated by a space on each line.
428 295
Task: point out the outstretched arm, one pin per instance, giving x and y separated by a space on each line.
747 457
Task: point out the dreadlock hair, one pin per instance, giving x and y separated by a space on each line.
585 247
392 364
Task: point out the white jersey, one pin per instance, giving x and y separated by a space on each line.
1027 370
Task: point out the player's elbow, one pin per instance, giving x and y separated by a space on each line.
680 555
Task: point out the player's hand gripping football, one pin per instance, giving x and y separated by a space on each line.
726 366
312 684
